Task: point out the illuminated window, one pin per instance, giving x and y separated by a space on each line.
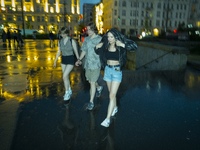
51 9
28 7
19 8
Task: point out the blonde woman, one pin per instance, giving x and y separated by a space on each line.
68 48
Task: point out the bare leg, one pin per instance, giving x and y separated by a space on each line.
113 88
66 69
92 91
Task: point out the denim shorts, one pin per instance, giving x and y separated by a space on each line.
112 73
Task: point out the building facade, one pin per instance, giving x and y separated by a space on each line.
88 13
135 16
43 15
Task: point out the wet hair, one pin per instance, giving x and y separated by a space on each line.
93 27
64 30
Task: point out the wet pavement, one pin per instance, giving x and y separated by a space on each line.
158 110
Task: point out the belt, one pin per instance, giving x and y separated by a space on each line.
112 66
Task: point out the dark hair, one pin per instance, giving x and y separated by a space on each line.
64 30
93 27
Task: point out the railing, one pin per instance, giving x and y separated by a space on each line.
156 60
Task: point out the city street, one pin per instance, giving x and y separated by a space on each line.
158 110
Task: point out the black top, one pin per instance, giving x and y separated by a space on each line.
112 55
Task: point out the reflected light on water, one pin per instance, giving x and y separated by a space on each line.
147 85
18 58
8 58
191 81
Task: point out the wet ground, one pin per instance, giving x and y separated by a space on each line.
158 110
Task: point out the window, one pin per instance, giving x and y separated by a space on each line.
38 18
42 9
123 22
61 19
150 23
19 18
115 22
135 4
159 5
27 0
163 23
142 13
131 13
75 2
157 22
176 15
158 13
42 18
38 9
18 1
181 6
172 6
142 22
124 4
177 7
52 19
115 12
180 15
61 10
115 3
142 4
0 18
151 5
185 7
51 1
18 8
29 18
123 12
175 23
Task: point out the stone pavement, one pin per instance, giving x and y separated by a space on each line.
157 110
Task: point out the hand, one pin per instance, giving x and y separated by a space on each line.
99 45
78 62
119 43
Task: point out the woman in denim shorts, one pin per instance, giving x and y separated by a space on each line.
112 51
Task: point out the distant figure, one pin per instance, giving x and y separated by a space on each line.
50 37
34 35
4 36
20 38
8 36
15 37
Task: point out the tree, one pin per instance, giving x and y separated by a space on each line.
28 24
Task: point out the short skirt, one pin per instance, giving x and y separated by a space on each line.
68 60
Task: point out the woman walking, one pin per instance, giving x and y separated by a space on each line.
112 51
68 47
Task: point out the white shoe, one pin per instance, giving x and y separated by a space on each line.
115 110
106 123
70 91
67 96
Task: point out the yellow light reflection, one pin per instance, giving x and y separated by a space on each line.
8 58
191 81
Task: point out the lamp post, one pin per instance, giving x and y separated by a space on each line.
22 17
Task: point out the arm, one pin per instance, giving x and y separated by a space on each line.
57 55
75 49
128 45
98 48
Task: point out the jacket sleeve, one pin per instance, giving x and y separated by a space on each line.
130 45
99 50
